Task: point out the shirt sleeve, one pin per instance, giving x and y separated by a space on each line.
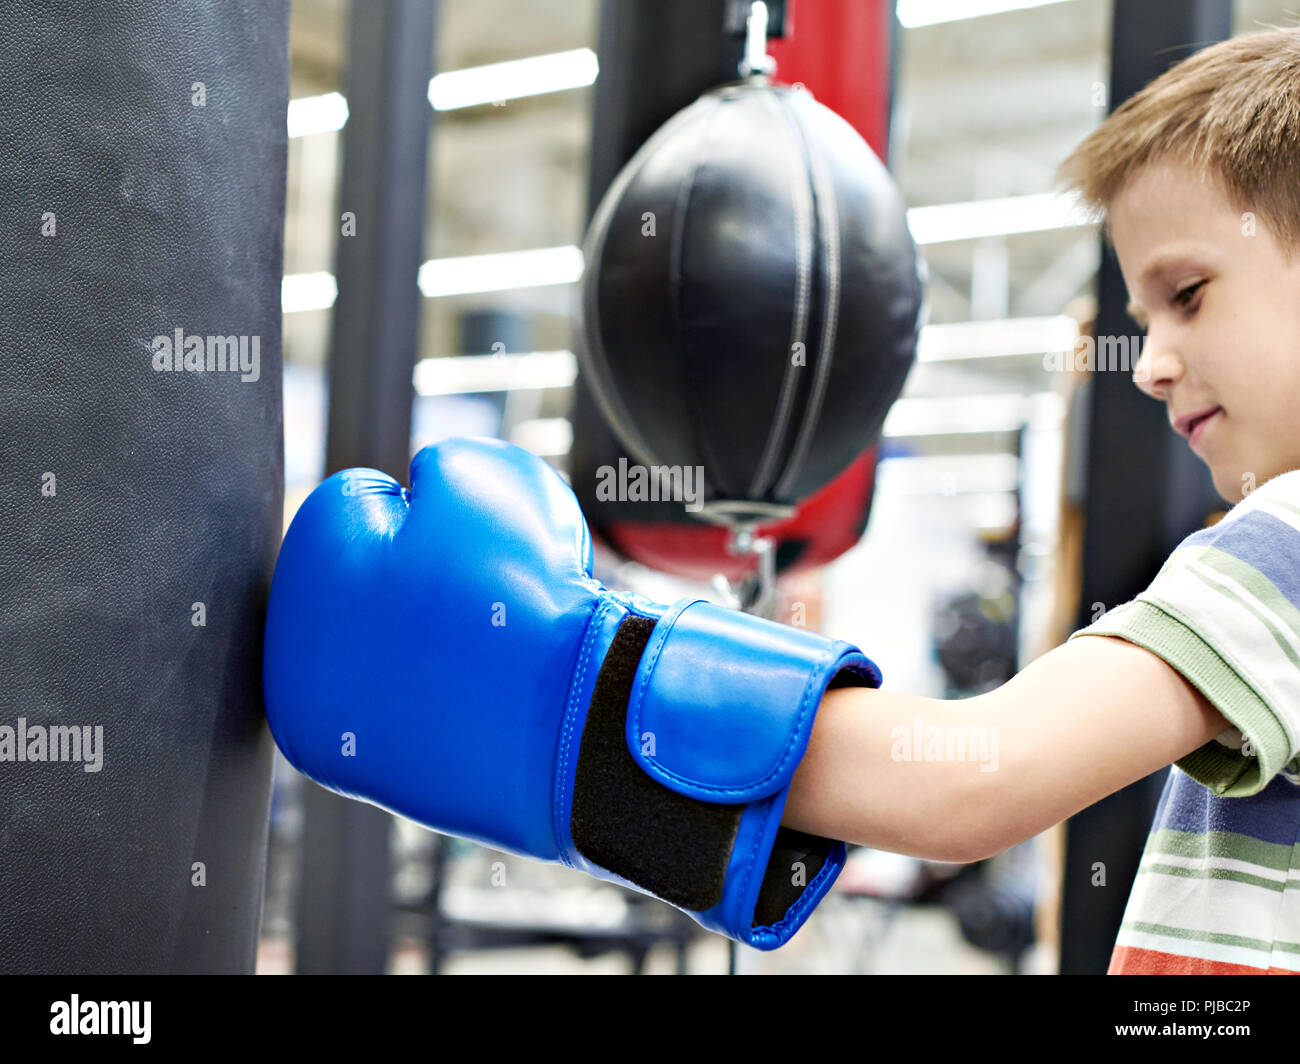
1224 610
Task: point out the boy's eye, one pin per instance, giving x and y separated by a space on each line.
1185 295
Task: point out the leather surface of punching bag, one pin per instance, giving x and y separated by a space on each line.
142 176
752 297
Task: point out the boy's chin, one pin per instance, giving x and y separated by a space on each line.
1229 490
1234 482
1230 483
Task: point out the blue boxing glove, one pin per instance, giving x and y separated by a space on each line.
444 652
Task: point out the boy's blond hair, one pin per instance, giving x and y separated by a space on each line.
1231 112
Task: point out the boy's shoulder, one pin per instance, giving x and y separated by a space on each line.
1224 611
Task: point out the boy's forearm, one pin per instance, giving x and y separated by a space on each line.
866 778
962 779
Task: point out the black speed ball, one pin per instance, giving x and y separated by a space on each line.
752 296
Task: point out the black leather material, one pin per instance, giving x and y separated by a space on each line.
167 486
752 296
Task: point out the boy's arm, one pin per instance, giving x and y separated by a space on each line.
1079 723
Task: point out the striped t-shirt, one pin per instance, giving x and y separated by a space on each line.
1215 891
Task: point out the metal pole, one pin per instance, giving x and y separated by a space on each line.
343 904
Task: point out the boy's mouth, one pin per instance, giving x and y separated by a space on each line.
1200 425
1189 424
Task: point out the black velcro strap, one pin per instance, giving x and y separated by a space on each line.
796 859
672 845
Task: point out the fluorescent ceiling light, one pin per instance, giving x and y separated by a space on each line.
1002 338
912 13
506 270
307 291
538 267
509 81
545 436
462 88
466 374
952 415
948 474
317 114
996 217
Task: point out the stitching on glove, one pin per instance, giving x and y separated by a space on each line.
743 920
558 819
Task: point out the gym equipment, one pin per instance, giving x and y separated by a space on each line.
444 652
664 536
976 632
751 300
991 901
842 51
143 181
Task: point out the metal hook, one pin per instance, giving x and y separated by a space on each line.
756 62
757 592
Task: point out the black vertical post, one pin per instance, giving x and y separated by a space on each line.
1145 491
656 57
343 905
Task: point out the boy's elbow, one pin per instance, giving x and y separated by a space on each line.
966 839
983 818
952 819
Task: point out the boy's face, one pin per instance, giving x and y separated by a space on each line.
1222 314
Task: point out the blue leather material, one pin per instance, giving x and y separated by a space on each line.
759 719
758 829
434 651
439 628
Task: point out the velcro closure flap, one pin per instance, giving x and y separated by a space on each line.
723 702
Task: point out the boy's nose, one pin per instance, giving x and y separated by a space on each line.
1157 369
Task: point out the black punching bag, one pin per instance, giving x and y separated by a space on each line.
142 181
752 296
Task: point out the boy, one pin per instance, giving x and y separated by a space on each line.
1198 178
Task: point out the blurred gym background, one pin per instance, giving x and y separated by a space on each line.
972 564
